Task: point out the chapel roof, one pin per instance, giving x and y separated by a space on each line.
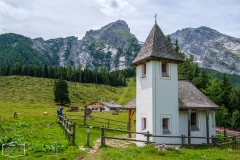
156 47
189 97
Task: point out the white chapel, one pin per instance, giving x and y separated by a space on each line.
165 105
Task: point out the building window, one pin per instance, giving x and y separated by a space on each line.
144 123
165 70
194 125
165 125
144 70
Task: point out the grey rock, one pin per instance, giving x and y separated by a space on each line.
112 46
210 48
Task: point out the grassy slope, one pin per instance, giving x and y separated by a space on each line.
18 90
32 96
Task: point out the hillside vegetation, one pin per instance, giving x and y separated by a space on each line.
43 137
29 91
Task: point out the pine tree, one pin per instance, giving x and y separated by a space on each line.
61 92
213 91
225 90
235 98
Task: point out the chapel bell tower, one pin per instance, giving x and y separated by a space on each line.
157 108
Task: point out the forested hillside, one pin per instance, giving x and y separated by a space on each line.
70 73
17 48
216 86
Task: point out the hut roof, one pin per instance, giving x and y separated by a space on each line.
109 104
131 104
189 97
156 47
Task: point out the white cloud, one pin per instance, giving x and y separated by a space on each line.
62 18
8 11
117 7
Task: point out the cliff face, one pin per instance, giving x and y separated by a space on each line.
210 48
115 47
112 46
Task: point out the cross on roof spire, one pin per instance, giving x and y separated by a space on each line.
155 18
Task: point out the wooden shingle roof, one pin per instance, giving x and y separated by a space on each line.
156 47
189 97
131 104
102 103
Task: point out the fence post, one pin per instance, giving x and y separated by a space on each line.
64 123
74 133
182 139
69 128
88 136
66 128
102 136
128 129
85 118
225 135
15 114
233 142
147 137
213 140
108 122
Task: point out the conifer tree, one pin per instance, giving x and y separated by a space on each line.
61 92
225 90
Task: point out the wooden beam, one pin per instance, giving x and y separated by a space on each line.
130 115
207 124
189 126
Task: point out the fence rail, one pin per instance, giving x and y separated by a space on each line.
68 127
216 141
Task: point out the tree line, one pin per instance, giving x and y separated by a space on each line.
70 73
217 88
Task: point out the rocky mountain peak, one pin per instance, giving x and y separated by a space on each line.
115 34
210 48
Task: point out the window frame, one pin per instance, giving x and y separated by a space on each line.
165 125
165 70
165 121
144 123
194 121
144 70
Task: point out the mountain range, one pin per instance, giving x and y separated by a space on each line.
210 48
115 47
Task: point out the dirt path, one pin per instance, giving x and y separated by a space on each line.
109 142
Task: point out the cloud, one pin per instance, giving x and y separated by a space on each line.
117 7
8 11
114 4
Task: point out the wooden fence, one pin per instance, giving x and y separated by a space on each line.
105 121
220 141
68 127
102 121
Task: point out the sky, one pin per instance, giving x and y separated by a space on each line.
63 18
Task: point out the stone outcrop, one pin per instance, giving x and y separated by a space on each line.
210 48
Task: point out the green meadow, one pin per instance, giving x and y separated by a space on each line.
43 137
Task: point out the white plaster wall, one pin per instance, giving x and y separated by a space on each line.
201 121
166 103
156 98
212 123
107 109
144 101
